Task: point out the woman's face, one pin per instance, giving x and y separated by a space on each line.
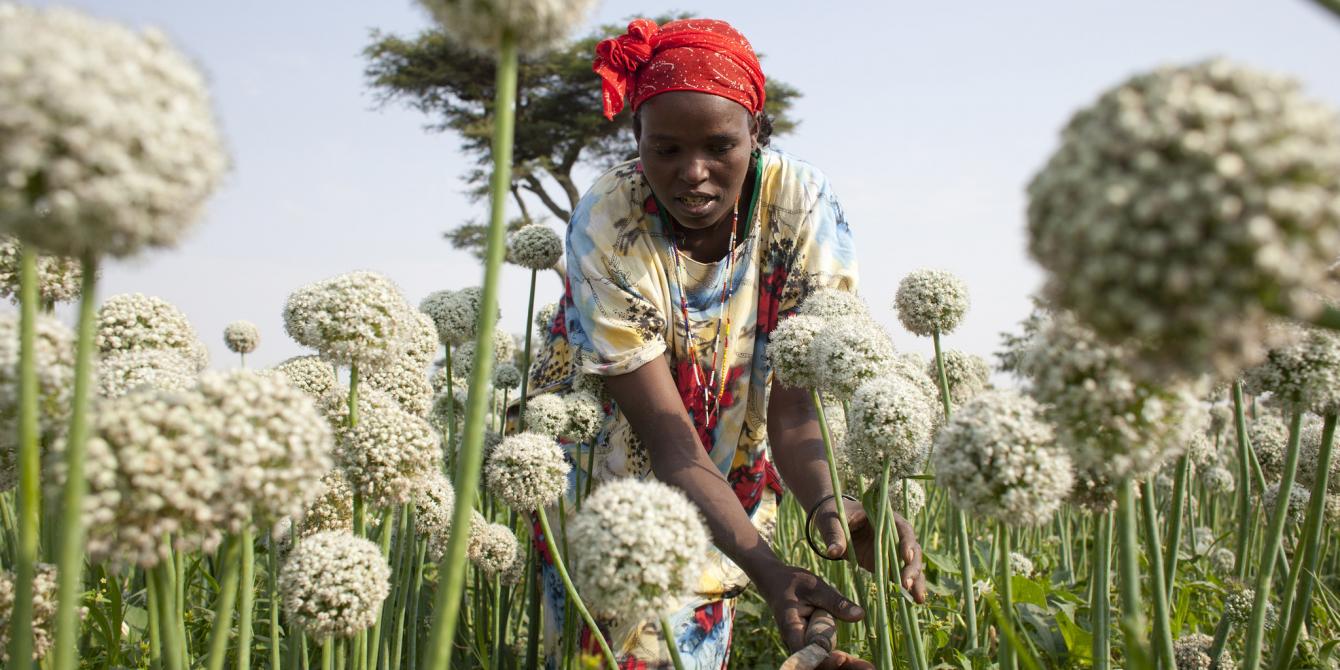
695 153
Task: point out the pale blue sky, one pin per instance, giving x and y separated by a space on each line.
929 118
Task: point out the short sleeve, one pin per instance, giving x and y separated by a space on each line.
613 325
822 254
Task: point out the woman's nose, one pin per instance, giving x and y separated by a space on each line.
694 171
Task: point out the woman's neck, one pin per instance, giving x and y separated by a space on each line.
709 245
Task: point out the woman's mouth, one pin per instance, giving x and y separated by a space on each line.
696 205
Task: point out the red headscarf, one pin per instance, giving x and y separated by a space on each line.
702 55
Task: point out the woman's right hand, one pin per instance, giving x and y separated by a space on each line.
794 595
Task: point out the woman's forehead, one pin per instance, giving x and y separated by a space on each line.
680 113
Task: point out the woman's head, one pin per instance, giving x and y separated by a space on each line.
697 94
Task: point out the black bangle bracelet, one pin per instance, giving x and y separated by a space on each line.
809 523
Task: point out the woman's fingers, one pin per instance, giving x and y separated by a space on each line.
821 630
830 531
841 660
792 626
912 577
827 598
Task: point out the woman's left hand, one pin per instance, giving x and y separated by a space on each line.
829 530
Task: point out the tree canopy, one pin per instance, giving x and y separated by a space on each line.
559 124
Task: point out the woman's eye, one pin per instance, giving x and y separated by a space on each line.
723 148
664 151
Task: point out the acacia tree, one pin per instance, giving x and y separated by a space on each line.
559 125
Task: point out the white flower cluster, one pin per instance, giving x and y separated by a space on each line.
915 497
332 507
122 372
1304 373
789 351
1222 559
1217 479
1191 652
422 343
1020 564
43 613
1180 202
831 304
888 423
913 368
494 549
134 321
1114 424
358 318
333 584
434 503
271 449
1309 452
931 301
507 377
1095 491
576 417
1238 606
537 25
386 452
967 374
849 353
527 471
241 337
99 159
640 546
544 317
53 357
405 380
151 474
58 278
310 374
463 357
535 247
1297 505
998 458
455 313
1269 437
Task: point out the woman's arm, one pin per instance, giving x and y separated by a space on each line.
650 401
798 450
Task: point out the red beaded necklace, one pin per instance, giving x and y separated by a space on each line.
714 387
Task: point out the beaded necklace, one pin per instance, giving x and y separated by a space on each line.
715 387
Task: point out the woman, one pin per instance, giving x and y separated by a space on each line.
680 264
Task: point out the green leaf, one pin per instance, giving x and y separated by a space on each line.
939 561
1028 591
1077 640
137 617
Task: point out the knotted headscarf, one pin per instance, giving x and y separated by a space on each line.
701 55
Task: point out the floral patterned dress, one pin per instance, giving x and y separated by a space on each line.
621 310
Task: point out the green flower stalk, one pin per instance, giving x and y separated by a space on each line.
960 520
1244 488
1163 638
1006 653
453 565
1101 585
1270 549
1309 555
70 541
224 604
29 496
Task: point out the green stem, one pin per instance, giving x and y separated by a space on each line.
372 643
246 597
29 497
1305 569
272 594
525 357
1244 485
168 618
573 596
669 635
1175 513
1128 565
151 604
1006 657
533 596
453 565
940 372
882 597
1101 586
1251 656
1163 638
451 412
70 548
229 559
328 654
966 576
840 504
